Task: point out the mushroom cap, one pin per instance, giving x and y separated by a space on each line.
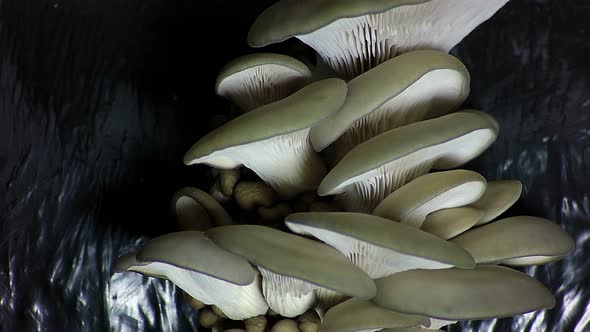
193 251
363 160
359 315
303 109
248 61
129 262
390 80
194 199
412 202
500 195
288 18
522 240
382 233
294 256
410 329
453 294
448 223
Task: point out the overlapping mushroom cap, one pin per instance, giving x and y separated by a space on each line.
428 193
292 267
453 294
500 195
273 140
197 211
203 270
358 315
377 167
380 247
522 240
355 36
448 223
255 80
412 87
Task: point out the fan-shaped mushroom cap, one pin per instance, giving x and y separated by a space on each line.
378 246
255 80
377 167
206 272
406 89
359 315
273 140
411 203
522 240
354 36
499 196
197 211
129 262
449 223
454 294
293 266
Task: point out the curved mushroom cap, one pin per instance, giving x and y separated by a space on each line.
354 36
359 315
129 262
197 211
499 196
454 294
273 140
293 266
449 223
410 329
255 80
377 167
428 193
522 240
185 259
406 89
380 247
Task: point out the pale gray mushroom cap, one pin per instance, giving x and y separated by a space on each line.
354 36
129 262
377 167
206 272
380 247
409 88
255 80
500 195
453 294
449 223
358 315
197 211
522 240
273 140
411 329
411 203
292 266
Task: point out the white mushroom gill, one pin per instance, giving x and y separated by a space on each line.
237 302
352 46
362 193
376 261
287 296
436 90
458 196
261 85
288 163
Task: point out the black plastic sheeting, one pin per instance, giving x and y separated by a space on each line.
100 99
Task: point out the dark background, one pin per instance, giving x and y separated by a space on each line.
99 100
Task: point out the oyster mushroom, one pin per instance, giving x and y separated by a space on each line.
292 267
410 88
448 223
380 247
355 36
499 196
197 211
273 140
375 168
230 283
411 329
411 203
522 240
255 80
453 294
358 315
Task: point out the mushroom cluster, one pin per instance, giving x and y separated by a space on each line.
346 208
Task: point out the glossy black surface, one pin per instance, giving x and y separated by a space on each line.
100 99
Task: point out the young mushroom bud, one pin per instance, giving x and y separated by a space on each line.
207 318
228 179
256 324
198 211
250 194
285 325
